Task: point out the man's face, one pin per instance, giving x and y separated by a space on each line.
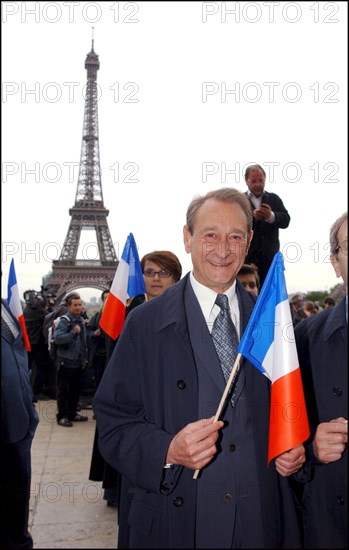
249 282
76 307
298 304
340 259
256 182
219 243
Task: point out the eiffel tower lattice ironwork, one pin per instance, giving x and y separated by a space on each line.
88 212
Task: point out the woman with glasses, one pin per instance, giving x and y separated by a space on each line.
161 269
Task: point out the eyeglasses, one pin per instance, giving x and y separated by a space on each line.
343 246
163 273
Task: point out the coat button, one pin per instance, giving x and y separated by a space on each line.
181 385
337 392
227 497
232 447
340 500
178 501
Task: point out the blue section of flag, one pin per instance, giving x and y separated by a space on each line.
12 281
135 279
259 333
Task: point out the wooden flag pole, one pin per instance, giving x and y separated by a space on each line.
223 398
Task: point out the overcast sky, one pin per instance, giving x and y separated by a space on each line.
190 94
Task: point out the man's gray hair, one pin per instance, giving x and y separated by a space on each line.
334 233
226 194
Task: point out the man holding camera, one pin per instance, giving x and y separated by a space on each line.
269 215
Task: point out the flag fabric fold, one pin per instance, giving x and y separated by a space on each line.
269 344
128 282
14 303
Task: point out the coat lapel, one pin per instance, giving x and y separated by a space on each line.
181 308
336 321
201 339
15 322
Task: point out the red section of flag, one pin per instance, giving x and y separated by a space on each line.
288 414
24 332
113 316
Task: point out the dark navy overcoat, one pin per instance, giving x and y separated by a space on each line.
164 374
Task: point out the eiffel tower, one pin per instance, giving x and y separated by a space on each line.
88 213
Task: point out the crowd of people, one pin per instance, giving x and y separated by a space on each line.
158 385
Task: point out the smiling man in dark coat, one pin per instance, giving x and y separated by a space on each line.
156 402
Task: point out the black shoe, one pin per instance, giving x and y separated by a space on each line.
42 397
52 396
65 422
112 503
80 418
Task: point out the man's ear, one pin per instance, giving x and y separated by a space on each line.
187 239
249 240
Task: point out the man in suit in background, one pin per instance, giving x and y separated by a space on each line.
19 420
160 391
269 215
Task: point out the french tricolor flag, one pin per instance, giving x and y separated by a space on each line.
14 303
128 282
269 344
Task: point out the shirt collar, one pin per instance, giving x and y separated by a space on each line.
256 201
207 298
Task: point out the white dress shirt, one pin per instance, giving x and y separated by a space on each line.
207 297
257 201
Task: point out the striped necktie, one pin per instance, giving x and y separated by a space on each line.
225 337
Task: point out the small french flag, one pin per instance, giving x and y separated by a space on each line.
128 282
14 303
269 344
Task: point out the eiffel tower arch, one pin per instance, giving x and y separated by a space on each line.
88 213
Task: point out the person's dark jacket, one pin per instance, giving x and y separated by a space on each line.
322 345
265 243
34 316
71 346
18 414
96 344
149 392
19 420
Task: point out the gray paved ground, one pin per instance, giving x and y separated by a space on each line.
66 509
